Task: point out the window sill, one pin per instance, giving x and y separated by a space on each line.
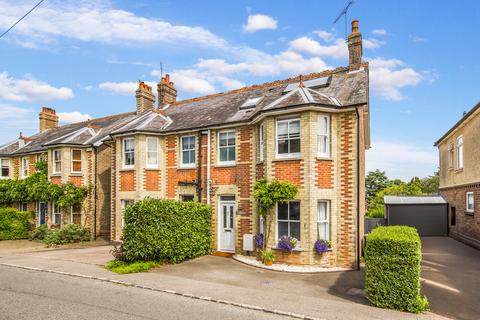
57 174
76 174
186 168
324 158
458 170
127 169
225 165
470 213
293 158
294 250
152 169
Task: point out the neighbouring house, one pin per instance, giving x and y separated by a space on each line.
310 130
459 151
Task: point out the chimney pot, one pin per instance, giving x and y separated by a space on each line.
48 119
145 99
167 94
355 49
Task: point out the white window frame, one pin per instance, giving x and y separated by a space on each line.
147 151
227 162
261 142
24 167
56 211
467 196
188 165
289 221
325 221
124 158
290 154
2 166
72 161
323 136
460 152
124 204
56 170
451 155
78 213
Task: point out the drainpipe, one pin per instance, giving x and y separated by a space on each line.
199 169
208 166
95 196
358 190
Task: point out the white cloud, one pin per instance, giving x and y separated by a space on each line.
388 76
417 39
12 112
402 160
30 89
192 82
372 43
294 63
96 21
72 117
337 50
325 35
379 32
123 88
259 22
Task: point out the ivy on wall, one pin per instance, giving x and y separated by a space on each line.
37 187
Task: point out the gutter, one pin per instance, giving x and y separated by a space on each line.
199 169
208 165
95 197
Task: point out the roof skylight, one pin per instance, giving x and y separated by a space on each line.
251 103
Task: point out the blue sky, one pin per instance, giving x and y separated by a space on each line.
84 58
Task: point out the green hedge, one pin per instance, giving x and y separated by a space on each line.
14 224
392 273
71 233
166 230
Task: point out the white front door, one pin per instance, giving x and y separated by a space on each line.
227 225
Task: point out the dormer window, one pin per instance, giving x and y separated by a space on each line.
250 103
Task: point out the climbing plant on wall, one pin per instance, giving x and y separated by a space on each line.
37 187
268 194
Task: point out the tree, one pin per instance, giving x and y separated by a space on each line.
375 181
431 184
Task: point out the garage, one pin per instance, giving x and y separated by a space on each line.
428 214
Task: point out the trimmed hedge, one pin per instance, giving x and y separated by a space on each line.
166 230
392 273
14 224
71 233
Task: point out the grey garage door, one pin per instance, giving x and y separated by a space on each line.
428 219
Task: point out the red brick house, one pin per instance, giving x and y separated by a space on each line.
311 130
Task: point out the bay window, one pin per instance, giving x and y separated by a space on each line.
56 215
128 153
226 147
288 138
323 136
152 152
261 142
76 161
57 161
24 169
5 168
323 220
288 219
125 204
187 151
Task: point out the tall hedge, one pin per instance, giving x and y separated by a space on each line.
166 230
14 224
392 269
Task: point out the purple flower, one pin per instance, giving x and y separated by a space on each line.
322 246
285 244
259 240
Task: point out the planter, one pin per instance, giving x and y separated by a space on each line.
371 223
268 263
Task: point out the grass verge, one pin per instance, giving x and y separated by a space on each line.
122 267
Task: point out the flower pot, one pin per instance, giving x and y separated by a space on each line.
268 263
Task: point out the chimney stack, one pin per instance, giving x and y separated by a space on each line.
145 98
48 119
167 94
355 47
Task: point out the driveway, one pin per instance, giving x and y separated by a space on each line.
451 273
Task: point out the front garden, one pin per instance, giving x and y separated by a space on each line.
162 231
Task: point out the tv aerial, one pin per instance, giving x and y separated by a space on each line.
344 13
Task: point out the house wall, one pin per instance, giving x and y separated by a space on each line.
456 182
333 179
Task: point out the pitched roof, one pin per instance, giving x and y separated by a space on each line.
337 89
459 122
414 200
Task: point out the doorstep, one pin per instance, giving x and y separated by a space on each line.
252 261
223 254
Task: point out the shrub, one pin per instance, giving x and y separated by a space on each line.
376 212
14 224
392 272
71 233
123 267
39 233
322 246
166 230
267 255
